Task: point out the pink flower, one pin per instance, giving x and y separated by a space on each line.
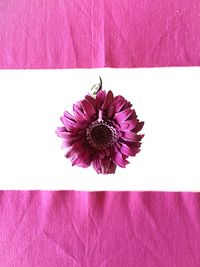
102 132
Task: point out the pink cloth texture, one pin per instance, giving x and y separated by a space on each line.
99 33
107 229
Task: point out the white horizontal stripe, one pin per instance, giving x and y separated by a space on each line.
167 99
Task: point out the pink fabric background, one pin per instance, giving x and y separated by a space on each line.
106 229
99 33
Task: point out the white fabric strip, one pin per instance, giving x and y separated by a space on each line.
167 99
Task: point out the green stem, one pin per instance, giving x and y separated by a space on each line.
97 87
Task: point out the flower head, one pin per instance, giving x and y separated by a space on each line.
102 132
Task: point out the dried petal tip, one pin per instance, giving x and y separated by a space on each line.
102 132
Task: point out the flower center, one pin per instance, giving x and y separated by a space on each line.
101 134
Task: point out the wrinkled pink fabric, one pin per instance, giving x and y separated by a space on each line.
107 229
99 33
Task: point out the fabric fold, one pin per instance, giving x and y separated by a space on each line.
74 228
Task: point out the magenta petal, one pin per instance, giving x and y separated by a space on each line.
112 167
69 136
88 108
137 150
119 160
77 109
78 114
127 105
124 126
91 100
100 98
82 160
62 134
129 151
74 158
69 116
111 112
77 160
83 164
131 136
133 115
108 100
139 127
117 97
129 124
69 153
134 144
105 165
68 123
119 103
72 126
141 136
96 165
75 149
60 129
123 115
66 143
